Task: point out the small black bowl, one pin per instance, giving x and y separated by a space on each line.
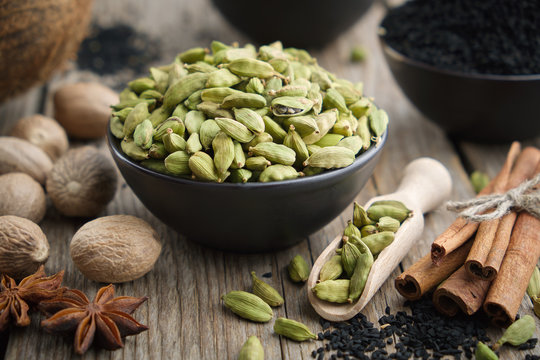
484 108
251 217
299 23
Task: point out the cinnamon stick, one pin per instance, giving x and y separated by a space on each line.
508 288
424 276
461 230
493 236
460 291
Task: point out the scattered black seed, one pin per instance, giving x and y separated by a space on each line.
486 37
267 275
529 345
532 357
108 50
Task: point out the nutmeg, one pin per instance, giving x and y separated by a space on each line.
18 155
83 108
22 196
23 246
44 132
115 248
82 182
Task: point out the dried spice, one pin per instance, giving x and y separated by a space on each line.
105 320
15 300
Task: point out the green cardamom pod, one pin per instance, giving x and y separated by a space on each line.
203 168
207 132
333 99
177 163
252 349
310 170
243 100
301 71
239 156
222 78
387 223
193 55
280 64
278 172
180 111
347 91
141 84
200 66
294 141
298 269
176 73
368 230
161 79
378 122
479 180
259 138
349 256
247 67
361 270
235 129
362 107
213 110
377 242
173 142
360 216
290 90
127 95
329 140
304 125
159 115
135 117
291 106
116 127
377 211
336 291
173 123
266 292
151 94
255 86
275 153
518 333
331 157
223 152
353 143
132 150
293 330
143 134
342 127
257 163
483 352
194 121
217 94
248 306
193 144
240 175
332 269
122 114
274 129
179 91
250 119
533 290
151 103
321 77
193 100
155 165
325 121
314 94
363 131
157 151
351 229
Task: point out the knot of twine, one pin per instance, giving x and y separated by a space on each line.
523 197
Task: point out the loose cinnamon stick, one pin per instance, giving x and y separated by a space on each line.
424 276
460 291
508 288
461 230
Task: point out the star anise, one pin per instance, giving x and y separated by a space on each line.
15 300
106 318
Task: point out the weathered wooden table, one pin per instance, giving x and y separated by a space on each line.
185 316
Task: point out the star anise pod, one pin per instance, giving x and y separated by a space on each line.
106 319
15 300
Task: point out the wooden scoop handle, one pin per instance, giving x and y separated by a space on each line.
425 184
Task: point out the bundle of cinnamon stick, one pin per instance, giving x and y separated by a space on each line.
483 264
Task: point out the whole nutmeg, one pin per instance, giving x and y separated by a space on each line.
82 182
115 248
23 246
22 196
83 108
44 132
18 155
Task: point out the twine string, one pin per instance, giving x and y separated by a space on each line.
523 197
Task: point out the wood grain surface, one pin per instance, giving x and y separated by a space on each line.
185 316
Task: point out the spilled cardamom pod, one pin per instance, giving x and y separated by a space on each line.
266 291
293 330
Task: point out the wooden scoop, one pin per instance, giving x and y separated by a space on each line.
426 183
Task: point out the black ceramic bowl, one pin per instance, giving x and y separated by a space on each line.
299 23
251 217
485 108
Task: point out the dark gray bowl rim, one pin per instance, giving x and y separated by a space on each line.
475 76
360 160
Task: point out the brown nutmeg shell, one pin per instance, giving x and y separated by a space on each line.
23 246
115 248
22 196
18 155
82 182
44 132
84 108
36 38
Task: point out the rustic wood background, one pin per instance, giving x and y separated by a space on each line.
185 316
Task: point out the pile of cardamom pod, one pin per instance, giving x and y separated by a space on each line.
343 278
237 114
